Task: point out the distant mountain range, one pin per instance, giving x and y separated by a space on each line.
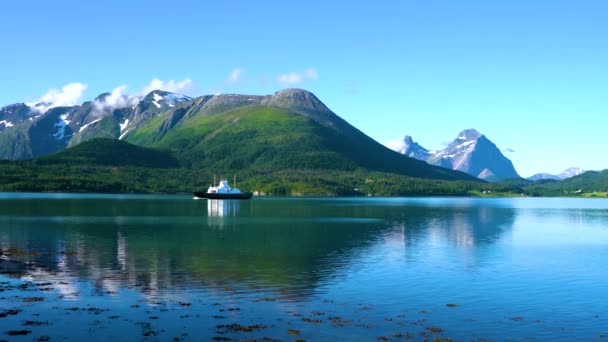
471 152
32 130
289 130
588 184
285 143
568 173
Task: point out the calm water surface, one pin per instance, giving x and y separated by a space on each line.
169 267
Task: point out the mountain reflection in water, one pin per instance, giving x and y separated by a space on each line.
324 268
286 246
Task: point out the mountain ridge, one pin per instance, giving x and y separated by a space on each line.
287 129
567 173
471 152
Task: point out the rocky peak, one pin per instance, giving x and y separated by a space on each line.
14 114
413 149
102 97
471 152
469 134
571 172
161 99
298 100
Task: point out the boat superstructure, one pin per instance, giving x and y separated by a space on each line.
223 191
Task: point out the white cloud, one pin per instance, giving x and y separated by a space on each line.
396 145
72 93
69 95
235 75
508 150
116 99
184 87
292 78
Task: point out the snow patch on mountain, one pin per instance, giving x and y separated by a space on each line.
466 143
157 98
163 99
6 123
61 125
124 134
87 125
124 125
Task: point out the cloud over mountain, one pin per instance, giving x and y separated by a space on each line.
293 78
185 86
235 75
69 95
116 99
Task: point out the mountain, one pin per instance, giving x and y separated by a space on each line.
111 152
414 150
571 172
15 114
471 152
289 130
543 176
568 173
586 182
32 130
589 183
110 165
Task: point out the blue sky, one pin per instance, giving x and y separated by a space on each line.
531 75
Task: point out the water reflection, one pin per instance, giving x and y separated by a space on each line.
223 207
286 253
287 246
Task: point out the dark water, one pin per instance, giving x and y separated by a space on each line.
101 267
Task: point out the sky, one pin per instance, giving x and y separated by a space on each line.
530 75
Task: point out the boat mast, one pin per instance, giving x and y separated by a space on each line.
213 181
235 181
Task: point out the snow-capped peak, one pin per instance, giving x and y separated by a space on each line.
164 99
412 149
470 152
567 173
571 172
469 134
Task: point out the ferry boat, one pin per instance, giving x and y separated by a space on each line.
223 191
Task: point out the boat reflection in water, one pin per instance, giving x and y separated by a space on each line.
222 208
219 211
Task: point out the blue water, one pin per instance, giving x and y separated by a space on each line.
169 267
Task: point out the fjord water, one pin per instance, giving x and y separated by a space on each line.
168 267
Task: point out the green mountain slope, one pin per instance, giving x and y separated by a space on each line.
289 130
110 152
107 165
588 182
288 143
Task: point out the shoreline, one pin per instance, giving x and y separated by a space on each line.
591 195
